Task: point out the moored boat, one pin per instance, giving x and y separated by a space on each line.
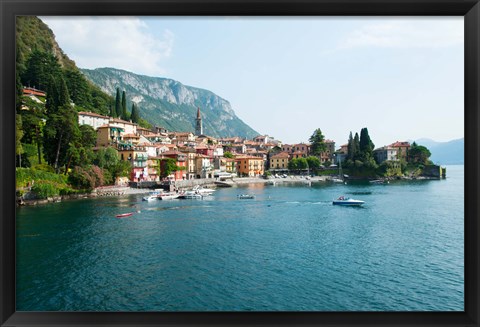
168 196
379 181
152 196
190 195
346 201
246 196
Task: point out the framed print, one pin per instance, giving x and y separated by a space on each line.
239 163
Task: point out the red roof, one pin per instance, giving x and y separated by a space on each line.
400 144
93 114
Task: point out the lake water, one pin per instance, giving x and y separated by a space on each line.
289 249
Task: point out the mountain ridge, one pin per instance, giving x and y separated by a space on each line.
172 104
446 153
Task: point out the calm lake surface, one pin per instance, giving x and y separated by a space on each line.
289 249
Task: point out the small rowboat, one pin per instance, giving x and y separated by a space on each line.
124 215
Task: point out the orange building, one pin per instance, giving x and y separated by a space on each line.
250 166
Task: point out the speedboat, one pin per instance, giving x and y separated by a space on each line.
246 196
345 201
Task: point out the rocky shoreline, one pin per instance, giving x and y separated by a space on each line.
30 200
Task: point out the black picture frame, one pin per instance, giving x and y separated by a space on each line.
470 9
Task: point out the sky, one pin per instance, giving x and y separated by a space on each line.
401 77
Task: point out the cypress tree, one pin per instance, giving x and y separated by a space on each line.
356 147
112 112
118 105
350 147
124 114
366 144
135 117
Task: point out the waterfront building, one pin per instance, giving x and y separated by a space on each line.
250 166
180 160
137 156
204 166
385 153
279 161
402 149
191 156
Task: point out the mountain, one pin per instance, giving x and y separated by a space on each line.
39 58
171 104
445 153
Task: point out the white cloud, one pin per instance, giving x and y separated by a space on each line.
407 33
120 42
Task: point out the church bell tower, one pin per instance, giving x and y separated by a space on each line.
198 127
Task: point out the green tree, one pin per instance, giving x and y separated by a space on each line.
228 154
317 141
112 112
351 148
302 164
78 88
18 138
313 162
60 131
293 164
356 148
39 67
167 166
118 104
418 154
124 114
135 117
366 145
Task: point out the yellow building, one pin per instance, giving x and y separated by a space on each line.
108 135
279 161
250 166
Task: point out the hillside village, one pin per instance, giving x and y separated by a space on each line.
202 156
194 155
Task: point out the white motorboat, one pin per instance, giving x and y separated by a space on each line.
152 196
168 196
202 190
346 201
190 195
246 196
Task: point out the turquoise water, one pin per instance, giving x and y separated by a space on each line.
289 249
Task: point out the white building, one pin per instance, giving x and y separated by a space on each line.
386 153
92 119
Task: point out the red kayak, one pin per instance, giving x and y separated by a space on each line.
124 215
